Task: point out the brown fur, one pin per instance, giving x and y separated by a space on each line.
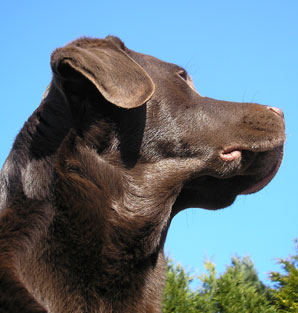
120 143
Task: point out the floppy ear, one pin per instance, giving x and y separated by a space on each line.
117 77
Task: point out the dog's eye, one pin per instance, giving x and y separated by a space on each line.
183 74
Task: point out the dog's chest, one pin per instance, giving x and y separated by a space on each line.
72 274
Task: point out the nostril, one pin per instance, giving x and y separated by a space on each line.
278 111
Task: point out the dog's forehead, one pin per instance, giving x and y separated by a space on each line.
153 64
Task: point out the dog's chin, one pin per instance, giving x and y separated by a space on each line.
212 193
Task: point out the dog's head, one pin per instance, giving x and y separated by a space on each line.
209 150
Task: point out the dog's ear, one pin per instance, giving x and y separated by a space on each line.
117 77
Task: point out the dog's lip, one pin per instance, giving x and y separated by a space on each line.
266 180
234 152
229 155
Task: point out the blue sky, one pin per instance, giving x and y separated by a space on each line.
234 50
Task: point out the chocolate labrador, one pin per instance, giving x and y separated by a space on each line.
120 143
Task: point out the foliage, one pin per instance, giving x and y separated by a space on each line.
238 289
178 296
286 292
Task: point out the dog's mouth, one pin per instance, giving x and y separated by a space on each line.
251 172
259 168
262 171
264 178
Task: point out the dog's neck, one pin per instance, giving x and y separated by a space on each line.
125 212
133 205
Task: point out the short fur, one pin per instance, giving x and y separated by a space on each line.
120 143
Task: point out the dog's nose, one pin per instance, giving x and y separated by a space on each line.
277 111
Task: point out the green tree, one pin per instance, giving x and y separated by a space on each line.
178 296
204 297
286 285
237 290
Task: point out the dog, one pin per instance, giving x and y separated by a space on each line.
120 143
